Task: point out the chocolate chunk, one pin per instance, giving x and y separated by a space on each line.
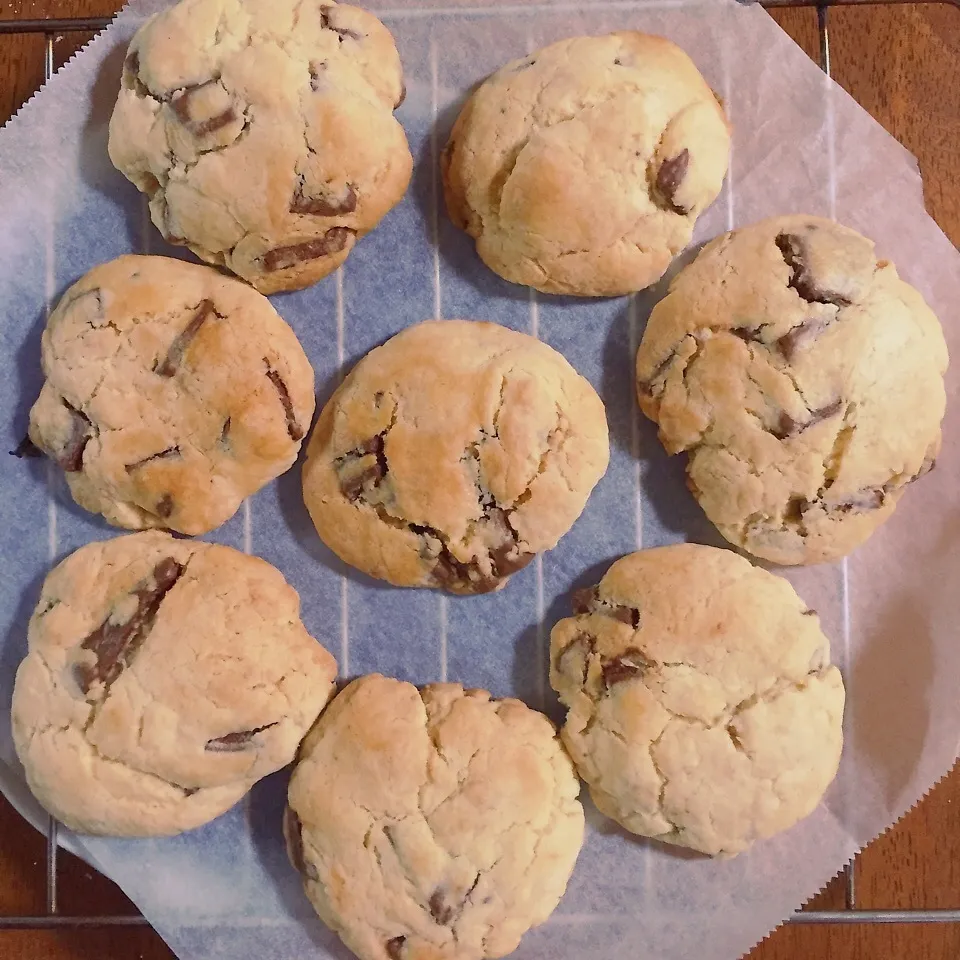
793 340
70 456
508 559
237 741
746 334
585 599
116 644
317 69
588 600
293 838
190 791
328 205
440 910
788 427
181 342
795 254
293 428
629 664
394 948
282 258
164 507
225 432
669 178
459 577
577 651
26 448
352 482
162 455
371 476
182 106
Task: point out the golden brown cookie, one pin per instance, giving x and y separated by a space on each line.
263 132
804 378
703 710
582 168
452 454
163 679
432 824
172 393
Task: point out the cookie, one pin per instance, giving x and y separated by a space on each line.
582 168
452 454
432 824
172 393
263 132
703 710
804 378
163 679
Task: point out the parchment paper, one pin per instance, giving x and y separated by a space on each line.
801 144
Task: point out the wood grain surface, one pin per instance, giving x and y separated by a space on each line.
903 64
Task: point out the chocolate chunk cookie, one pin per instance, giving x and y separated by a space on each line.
703 710
432 824
172 393
804 378
582 168
163 679
453 454
263 133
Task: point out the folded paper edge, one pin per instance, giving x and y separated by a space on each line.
954 767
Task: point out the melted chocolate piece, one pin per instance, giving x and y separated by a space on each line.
237 741
394 948
440 910
282 258
181 342
328 205
181 106
294 429
508 559
26 448
116 644
70 456
669 178
293 838
225 432
629 664
585 599
788 427
164 507
797 338
795 253
162 455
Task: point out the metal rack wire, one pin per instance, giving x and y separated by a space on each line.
53 919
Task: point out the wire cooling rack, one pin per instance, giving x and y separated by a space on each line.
51 29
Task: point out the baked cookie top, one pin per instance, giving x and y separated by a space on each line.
703 710
263 132
582 168
432 824
452 454
163 679
804 377
172 393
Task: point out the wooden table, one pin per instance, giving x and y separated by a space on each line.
903 64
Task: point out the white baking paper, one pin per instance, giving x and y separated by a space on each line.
801 145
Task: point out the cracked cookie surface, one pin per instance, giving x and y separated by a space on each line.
582 168
805 380
263 132
172 393
163 678
432 824
452 454
703 709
